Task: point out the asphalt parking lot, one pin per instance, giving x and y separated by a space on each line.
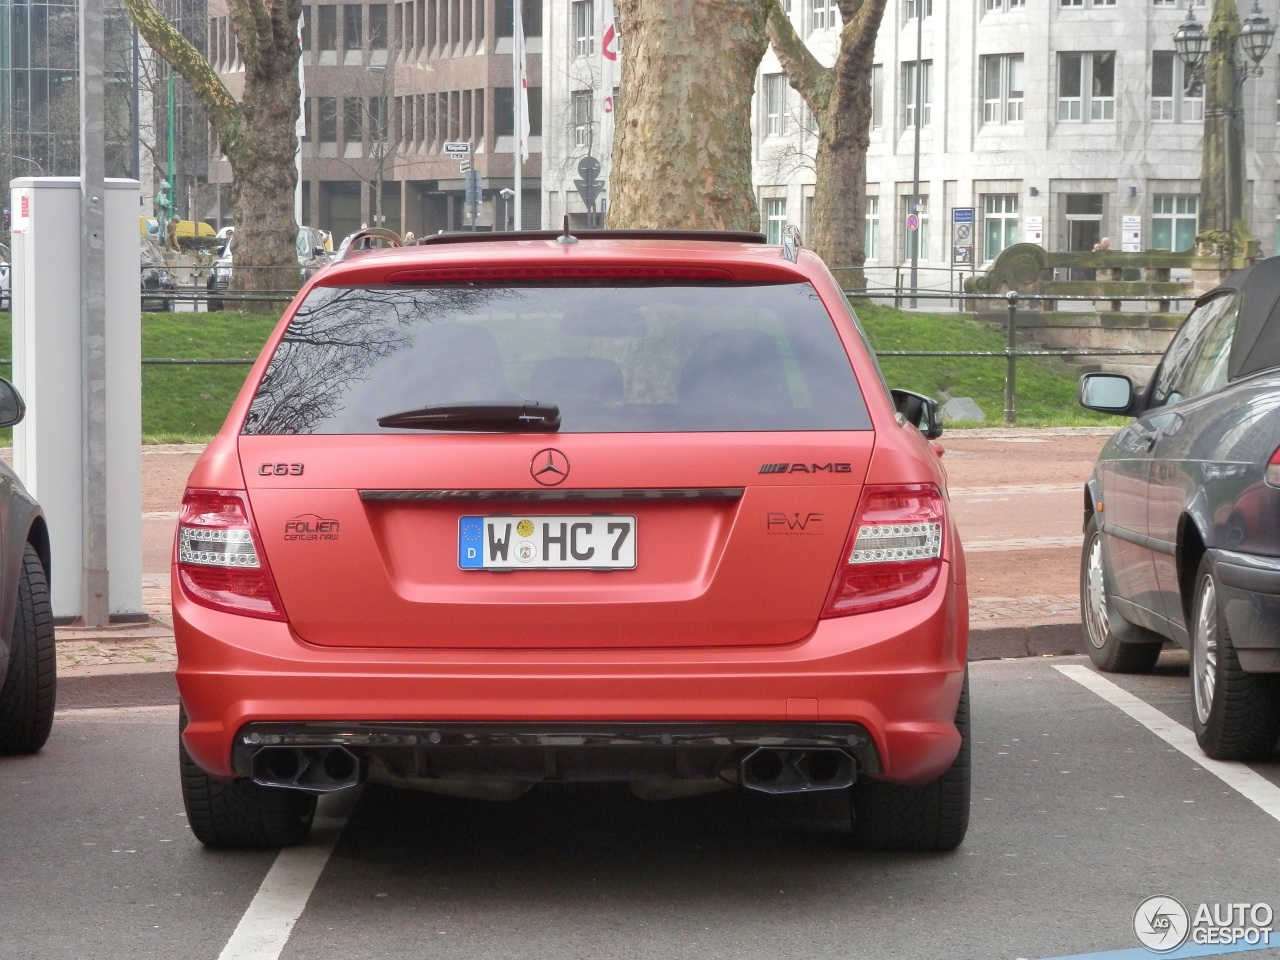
1089 797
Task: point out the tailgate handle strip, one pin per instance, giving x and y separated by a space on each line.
673 493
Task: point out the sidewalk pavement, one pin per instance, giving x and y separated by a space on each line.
1030 626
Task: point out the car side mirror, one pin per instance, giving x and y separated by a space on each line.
1106 393
920 411
12 407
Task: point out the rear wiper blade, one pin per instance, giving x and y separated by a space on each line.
498 417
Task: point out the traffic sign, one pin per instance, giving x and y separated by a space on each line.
464 165
589 189
453 148
913 221
588 168
474 185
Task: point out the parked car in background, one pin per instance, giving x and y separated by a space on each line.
1182 515
310 248
6 280
158 286
507 509
28 675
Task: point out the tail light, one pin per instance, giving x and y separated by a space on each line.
1273 469
894 553
219 564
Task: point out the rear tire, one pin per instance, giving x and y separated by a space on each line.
1103 628
240 813
30 689
1235 714
934 817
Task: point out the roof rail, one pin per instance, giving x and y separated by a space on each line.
712 236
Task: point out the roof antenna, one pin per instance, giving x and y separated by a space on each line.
566 239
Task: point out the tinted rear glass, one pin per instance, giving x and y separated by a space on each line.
617 358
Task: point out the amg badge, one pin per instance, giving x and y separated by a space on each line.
806 468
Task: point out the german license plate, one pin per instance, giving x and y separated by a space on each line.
596 542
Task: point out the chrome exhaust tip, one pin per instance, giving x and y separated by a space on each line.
782 770
313 769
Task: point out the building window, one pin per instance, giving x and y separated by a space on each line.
910 72
328 31
918 238
824 14
327 121
504 112
775 104
1001 6
584 40
352 117
580 116
1087 86
913 7
378 27
1002 88
999 223
1171 101
351 25
877 96
775 218
871 235
1175 220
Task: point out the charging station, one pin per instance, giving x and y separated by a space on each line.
49 445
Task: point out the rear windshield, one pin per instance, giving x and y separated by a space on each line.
618 358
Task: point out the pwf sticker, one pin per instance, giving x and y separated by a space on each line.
1163 924
310 527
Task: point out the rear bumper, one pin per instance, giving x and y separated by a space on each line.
892 678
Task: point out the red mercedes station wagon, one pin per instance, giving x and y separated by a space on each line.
495 511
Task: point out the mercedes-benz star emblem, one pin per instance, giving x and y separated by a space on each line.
549 467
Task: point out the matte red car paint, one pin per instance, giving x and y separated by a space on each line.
897 671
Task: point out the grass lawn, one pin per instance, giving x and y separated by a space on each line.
188 402
1044 388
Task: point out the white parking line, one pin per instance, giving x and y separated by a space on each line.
1264 794
265 927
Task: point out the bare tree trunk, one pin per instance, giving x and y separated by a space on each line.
840 98
257 135
682 147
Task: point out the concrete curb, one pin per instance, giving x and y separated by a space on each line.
1026 640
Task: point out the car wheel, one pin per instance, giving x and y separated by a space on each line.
1236 714
890 816
240 813
1114 645
213 306
31 686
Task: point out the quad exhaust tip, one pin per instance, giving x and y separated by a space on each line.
781 770
313 769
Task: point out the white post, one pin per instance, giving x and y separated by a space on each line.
48 446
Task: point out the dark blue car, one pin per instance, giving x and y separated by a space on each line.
1182 515
28 674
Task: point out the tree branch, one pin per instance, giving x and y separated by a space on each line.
219 106
807 76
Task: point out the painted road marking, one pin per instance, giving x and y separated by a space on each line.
266 926
1261 791
1182 953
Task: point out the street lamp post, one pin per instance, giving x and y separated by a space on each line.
1224 56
